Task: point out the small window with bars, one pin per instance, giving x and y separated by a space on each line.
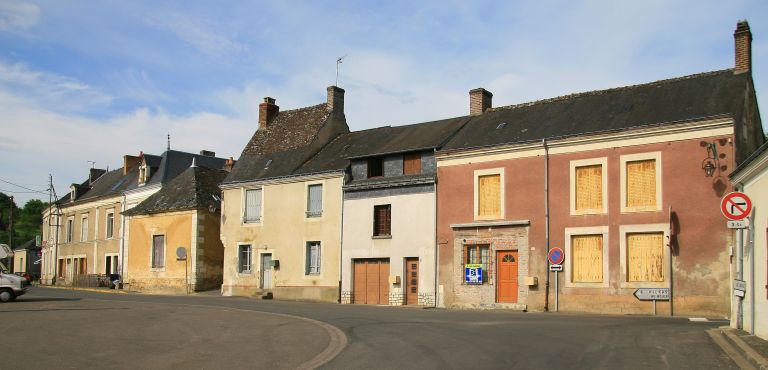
479 254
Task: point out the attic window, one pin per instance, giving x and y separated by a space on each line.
143 174
268 163
375 167
501 125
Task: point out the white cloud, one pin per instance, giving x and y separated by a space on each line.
18 14
198 33
53 90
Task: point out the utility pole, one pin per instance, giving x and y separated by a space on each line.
10 234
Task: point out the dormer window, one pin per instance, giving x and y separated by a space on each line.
143 174
375 167
72 193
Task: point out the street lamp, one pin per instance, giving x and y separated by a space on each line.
709 164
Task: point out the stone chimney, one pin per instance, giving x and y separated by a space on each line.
479 101
336 101
743 41
130 162
229 164
95 174
267 111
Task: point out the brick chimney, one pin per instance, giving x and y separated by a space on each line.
95 174
207 153
130 162
479 100
267 111
229 164
742 38
336 101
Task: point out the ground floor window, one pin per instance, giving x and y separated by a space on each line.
158 251
110 264
313 258
645 257
479 254
587 258
245 260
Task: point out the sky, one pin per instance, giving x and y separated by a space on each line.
84 82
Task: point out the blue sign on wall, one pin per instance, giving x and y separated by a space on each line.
473 273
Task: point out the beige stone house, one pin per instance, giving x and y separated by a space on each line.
281 212
174 235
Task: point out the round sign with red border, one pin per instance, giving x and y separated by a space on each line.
556 256
736 206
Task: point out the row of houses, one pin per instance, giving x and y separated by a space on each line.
627 181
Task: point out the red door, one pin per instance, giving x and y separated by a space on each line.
506 277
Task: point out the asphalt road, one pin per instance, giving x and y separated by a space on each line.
75 329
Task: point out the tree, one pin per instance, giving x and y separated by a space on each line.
26 221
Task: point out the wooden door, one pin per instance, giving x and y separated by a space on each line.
266 271
411 280
371 281
506 276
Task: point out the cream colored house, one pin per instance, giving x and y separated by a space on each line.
749 306
281 213
174 235
82 230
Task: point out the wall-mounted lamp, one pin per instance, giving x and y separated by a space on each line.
709 164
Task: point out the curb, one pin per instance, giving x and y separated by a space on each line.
109 291
739 351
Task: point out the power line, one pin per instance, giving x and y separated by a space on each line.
19 192
24 187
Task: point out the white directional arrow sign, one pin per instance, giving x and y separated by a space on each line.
652 294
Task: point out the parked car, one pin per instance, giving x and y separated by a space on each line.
24 275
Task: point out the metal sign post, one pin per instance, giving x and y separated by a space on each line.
556 256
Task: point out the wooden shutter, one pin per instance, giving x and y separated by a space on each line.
412 164
253 205
641 183
158 255
645 257
589 188
489 196
315 200
587 258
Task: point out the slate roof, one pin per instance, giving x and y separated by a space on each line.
380 141
674 100
288 130
173 162
195 188
109 184
30 244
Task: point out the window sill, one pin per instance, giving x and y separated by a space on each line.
640 209
589 212
314 214
381 237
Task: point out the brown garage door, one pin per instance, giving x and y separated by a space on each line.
371 279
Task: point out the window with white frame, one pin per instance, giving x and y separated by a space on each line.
315 200
84 228
586 252
641 182
245 259
589 184
253 205
644 256
158 251
110 229
313 258
70 228
489 194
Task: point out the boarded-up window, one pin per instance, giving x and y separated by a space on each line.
587 258
252 205
158 251
382 220
489 196
645 257
641 184
589 188
412 164
315 200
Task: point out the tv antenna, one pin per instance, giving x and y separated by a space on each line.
93 164
338 61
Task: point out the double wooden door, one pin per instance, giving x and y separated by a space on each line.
371 281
